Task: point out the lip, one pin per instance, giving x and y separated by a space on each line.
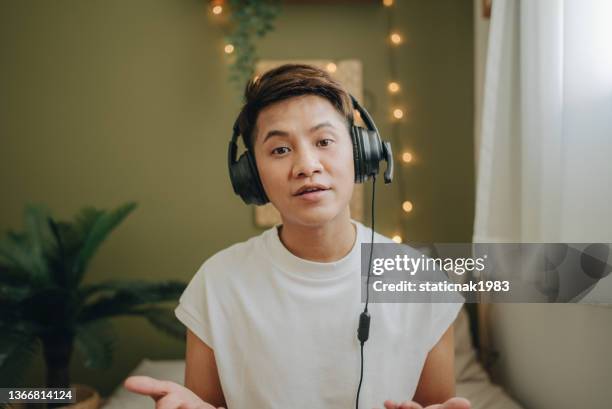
313 196
310 186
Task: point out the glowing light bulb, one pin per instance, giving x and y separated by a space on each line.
393 87
387 3
407 206
217 9
398 113
331 67
406 157
397 238
229 49
396 38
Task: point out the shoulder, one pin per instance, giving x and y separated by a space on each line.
236 259
366 237
365 234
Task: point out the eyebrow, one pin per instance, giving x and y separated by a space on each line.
276 132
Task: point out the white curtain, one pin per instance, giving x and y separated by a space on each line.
545 154
545 175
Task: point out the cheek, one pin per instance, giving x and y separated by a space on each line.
343 172
272 175
348 168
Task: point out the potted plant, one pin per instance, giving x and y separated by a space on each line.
43 300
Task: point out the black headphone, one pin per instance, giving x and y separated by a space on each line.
368 151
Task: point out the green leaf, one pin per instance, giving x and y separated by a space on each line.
13 293
104 223
69 239
250 19
16 352
96 341
86 219
28 254
165 320
12 276
15 255
125 297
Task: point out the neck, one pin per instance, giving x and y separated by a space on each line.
322 243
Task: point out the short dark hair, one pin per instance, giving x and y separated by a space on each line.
284 82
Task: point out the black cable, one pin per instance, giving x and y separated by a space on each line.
364 318
371 246
360 379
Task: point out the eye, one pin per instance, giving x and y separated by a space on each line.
279 151
326 142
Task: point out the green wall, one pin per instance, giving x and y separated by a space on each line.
102 102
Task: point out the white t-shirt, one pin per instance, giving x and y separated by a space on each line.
284 329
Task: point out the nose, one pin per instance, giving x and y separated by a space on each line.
306 163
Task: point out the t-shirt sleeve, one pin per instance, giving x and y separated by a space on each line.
442 316
193 308
444 310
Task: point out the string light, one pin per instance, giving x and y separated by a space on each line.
229 49
331 67
393 87
407 206
218 9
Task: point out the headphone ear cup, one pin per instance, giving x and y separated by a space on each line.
245 180
259 194
367 152
357 154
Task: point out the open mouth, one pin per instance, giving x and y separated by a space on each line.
311 191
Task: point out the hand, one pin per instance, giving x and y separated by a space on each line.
453 403
167 395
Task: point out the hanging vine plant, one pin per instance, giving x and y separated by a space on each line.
249 19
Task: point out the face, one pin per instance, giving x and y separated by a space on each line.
300 142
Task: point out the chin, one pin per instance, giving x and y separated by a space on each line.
314 216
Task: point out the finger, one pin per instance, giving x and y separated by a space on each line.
409 405
389 404
168 402
457 403
145 385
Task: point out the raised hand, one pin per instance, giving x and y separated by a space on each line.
166 394
453 403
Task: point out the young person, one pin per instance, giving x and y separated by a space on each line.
272 320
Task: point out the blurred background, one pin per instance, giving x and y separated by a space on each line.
105 102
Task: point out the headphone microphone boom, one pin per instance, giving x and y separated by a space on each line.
368 151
